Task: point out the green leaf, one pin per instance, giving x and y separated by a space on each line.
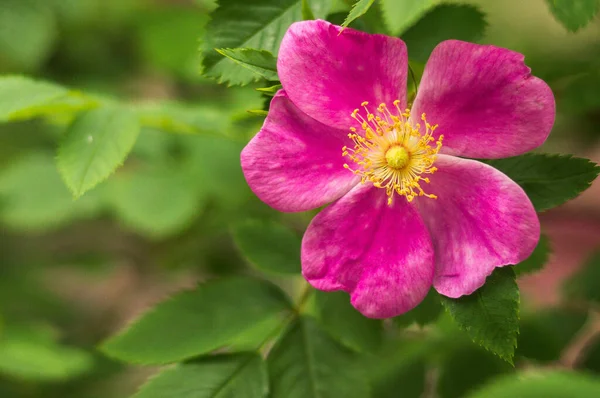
270 91
410 380
345 323
270 246
358 9
26 48
174 117
168 38
400 365
549 180
34 198
537 260
581 93
308 363
320 8
307 12
399 15
95 144
215 163
574 14
584 284
425 313
23 98
32 354
540 383
465 369
461 22
258 24
257 335
544 334
261 62
258 112
198 321
221 376
490 315
155 202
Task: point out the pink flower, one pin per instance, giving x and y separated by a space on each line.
409 211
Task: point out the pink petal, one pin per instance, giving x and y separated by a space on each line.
485 101
382 255
328 72
481 220
295 163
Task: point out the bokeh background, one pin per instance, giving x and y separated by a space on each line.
73 272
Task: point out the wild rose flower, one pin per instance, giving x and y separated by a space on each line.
409 211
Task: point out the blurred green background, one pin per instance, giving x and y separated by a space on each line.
72 272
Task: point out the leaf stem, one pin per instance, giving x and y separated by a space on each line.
414 81
299 307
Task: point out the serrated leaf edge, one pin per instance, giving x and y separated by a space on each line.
480 342
244 64
153 308
595 169
78 193
351 18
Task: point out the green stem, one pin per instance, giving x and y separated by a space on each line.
299 307
303 298
414 80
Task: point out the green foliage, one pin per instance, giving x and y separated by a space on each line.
254 337
399 15
581 94
466 368
538 258
320 8
156 202
400 366
544 334
358 9
198 321
220 376
426 312
169 39
24 98
409 380
549 180
33 197
308 363
258 112
584 284
547 384
174 117
270 91
165 219
461 22
490 315
346 324
26 48
31 353
307 12
258 24
270 246
574 14
261 62
214 163
95 144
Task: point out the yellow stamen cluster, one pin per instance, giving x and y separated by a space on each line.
391 151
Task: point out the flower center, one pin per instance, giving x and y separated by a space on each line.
393 151
397 157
